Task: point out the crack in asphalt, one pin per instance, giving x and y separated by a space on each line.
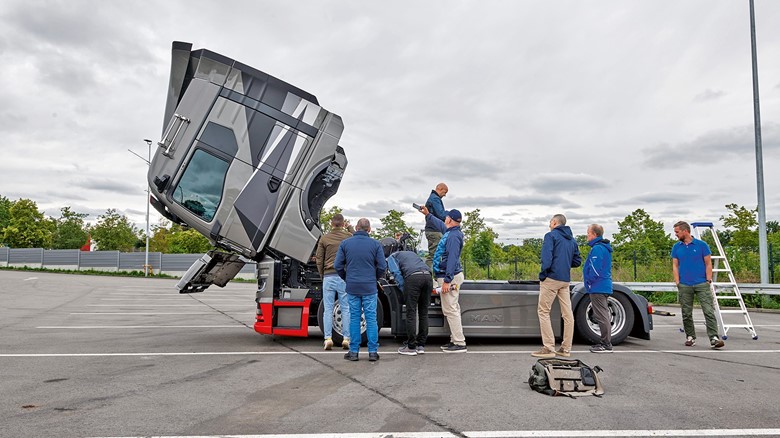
376 391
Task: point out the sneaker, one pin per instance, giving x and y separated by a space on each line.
716 343
373 356
690 342
563 353
406 351
454 348
544 353
600 348
345 344
351 356
420 349
328 343
447 345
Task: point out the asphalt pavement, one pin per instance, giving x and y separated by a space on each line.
89 356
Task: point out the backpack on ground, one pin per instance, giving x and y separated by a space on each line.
565 377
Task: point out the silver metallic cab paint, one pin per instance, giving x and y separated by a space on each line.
245 159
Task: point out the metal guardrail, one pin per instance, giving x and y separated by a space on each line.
745 288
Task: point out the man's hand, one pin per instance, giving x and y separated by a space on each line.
424 210
445 288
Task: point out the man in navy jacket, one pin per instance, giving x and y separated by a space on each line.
449 273
597 276
559 254
360 261
435 206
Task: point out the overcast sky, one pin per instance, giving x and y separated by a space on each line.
524 108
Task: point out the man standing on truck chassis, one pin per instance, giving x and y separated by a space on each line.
436 207
692 269
559 254
332 284
360 261
449 273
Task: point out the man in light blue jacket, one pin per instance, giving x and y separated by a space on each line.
597 274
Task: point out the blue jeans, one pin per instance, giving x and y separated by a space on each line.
333 285
366 304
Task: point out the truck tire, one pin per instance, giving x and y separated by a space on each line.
338 330
622 316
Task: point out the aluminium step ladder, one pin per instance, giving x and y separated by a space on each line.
724 290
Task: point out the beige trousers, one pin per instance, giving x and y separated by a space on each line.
451 309
549 290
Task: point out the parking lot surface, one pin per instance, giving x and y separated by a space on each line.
88 356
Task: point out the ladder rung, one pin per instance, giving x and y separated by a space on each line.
718 257
738 326
733 311
721 270
724 284
727 297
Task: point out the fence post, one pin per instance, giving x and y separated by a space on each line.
771 265
488 271
516 268
634 265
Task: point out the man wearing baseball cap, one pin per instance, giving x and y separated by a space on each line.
449 273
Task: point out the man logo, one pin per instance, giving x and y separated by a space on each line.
487 318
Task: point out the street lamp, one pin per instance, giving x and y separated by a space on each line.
148 194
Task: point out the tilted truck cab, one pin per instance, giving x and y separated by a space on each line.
249 160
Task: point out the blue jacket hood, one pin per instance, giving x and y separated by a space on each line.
601 241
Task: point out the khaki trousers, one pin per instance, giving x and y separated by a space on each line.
549 290
451 309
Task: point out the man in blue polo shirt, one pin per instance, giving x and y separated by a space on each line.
692 267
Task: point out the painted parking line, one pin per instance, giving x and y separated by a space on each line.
143 313
159 305
321 352
702 323
102 327
512 433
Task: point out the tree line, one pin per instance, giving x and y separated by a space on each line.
641 246
22 225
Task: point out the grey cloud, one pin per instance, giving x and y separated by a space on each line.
647 198
107 185
720 145
513 201
709 95
567 182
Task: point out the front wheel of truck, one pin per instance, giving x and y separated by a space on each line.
338 326
621 316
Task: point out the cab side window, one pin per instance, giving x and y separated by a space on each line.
200 187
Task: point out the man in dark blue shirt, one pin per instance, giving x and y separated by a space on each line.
360 261
692 268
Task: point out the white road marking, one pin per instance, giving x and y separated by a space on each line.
143 313
30 278
511 433
101 327
154 300
293 353
680 325
160 305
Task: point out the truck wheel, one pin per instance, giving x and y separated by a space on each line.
338 326
622 319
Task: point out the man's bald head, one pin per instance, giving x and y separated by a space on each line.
441 189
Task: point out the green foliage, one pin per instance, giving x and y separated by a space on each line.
472 225
639 234
392 224
187 241
744 224
27 227
70 230
326 216
5 214
114 232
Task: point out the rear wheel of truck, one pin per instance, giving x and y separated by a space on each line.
621 316
338 327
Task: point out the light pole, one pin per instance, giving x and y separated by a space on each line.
148 194
762 246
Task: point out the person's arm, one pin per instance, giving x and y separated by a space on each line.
379 261
676 270
392 266
320 258
708 267
576 259
341 261
437 223
547 255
